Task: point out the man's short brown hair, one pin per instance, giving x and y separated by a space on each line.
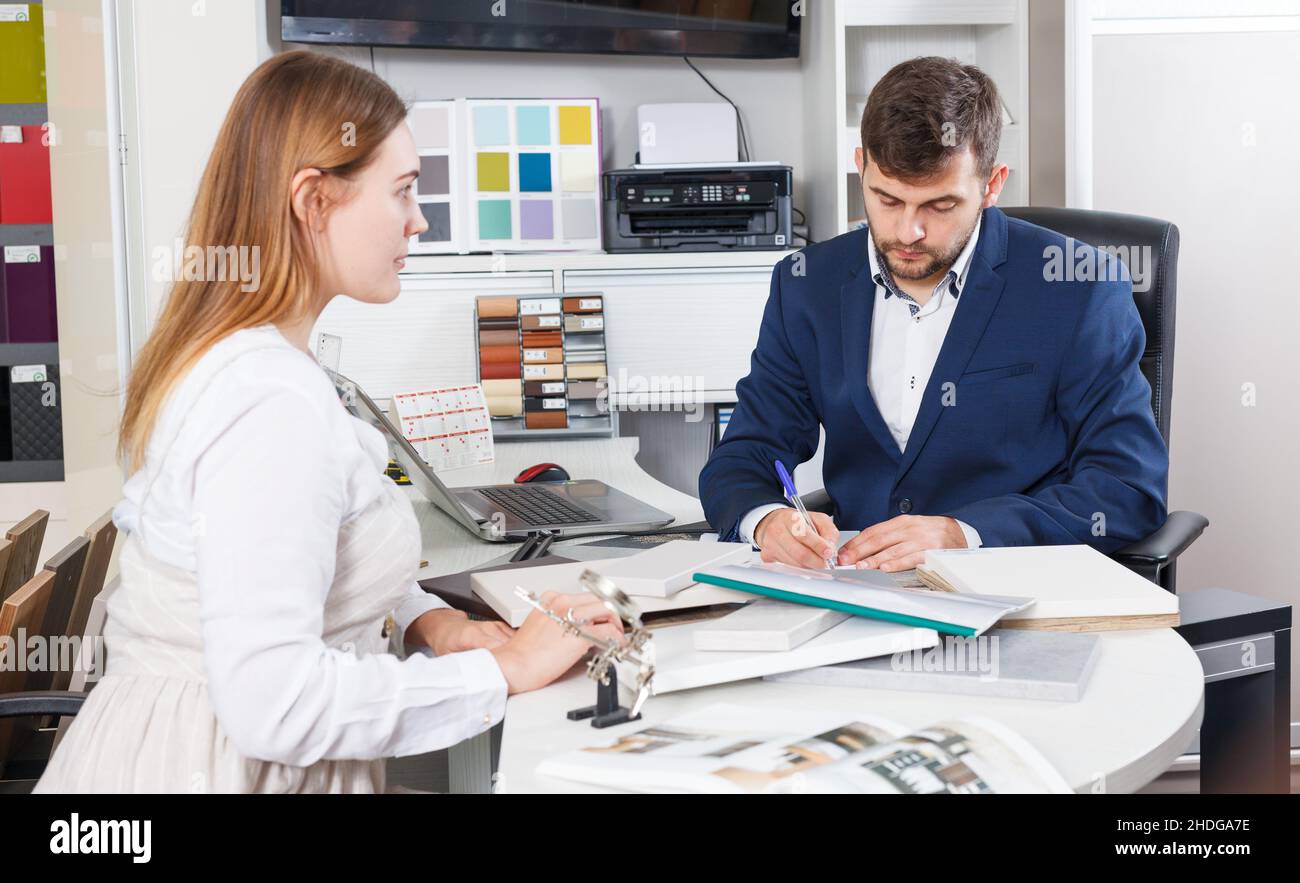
926 110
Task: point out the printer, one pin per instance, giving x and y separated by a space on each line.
721 207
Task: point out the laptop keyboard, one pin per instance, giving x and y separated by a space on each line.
537 505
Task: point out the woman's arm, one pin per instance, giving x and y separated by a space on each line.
442 629
266 558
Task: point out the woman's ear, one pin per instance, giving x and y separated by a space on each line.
307 198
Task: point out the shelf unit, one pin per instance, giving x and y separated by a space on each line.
655 359
854 45
13 471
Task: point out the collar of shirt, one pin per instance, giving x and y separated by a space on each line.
952 282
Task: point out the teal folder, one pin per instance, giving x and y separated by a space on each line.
841 606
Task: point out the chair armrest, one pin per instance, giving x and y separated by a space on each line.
1178 532
35 702
817 501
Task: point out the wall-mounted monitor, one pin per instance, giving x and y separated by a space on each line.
718 28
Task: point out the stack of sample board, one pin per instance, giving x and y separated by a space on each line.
542 363
1075 588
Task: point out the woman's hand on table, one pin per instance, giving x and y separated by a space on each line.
451 631
541 650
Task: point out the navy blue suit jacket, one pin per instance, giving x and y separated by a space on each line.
1035 427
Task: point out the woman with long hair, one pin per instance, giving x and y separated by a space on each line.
264 546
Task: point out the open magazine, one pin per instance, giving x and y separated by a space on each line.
735 749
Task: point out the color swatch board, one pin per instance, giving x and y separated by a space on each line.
508 174
22 53
25 196
543 364
447 427
27 305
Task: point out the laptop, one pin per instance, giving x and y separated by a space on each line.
499 513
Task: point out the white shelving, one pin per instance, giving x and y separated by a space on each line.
681 326
855 42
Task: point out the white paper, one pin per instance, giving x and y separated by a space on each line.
22 254
28 373
448 427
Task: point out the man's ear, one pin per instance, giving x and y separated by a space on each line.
993 189
861 159
307 198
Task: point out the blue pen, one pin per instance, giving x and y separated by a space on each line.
790 494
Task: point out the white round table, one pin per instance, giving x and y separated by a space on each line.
1140 711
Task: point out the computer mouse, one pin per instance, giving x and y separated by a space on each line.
542 472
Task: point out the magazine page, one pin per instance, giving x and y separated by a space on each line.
723 749
966 756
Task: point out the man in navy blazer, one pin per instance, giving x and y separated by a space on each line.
971 394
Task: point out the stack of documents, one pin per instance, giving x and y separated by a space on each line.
1015 663
679 665
1075 588
658 579
868 593
767 625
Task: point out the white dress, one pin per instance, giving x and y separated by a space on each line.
263 550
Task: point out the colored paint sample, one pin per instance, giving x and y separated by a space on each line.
575 124
435 176
438 216
29 297
494 219
536 219
533 125
22 56
491 126
579 218
578 172
25 177
429 126
535 172
494 171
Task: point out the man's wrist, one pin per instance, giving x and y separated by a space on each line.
970 536
766 519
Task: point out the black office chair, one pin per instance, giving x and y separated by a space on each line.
1156 556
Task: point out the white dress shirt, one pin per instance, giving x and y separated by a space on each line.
905 342
293 467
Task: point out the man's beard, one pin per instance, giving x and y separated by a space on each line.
936 263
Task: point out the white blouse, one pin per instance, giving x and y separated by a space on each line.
302 467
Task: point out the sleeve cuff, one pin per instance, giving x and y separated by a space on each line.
749 523
485 688
973 540
418 602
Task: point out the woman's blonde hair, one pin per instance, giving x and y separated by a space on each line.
299 110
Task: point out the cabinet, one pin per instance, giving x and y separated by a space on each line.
680 328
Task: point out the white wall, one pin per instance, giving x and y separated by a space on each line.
1046 104
1202 128
180 65
85 267
768 93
